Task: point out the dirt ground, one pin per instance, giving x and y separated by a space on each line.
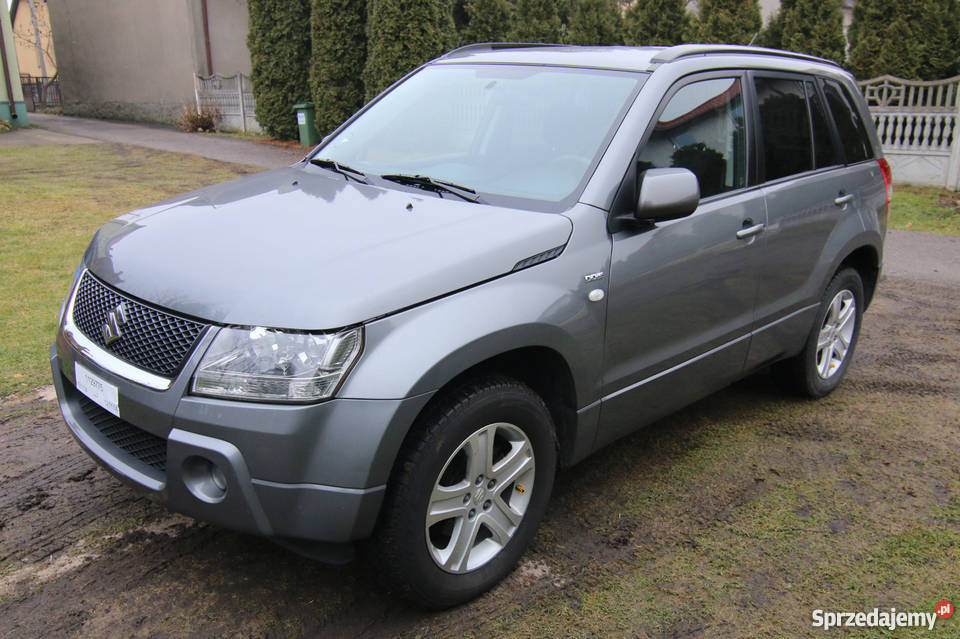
734 518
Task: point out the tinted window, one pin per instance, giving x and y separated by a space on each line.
784 127
853 134
702 129
824 149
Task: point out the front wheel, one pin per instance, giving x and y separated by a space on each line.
820 367
468 492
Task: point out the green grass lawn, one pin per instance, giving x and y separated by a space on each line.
53 200
925 208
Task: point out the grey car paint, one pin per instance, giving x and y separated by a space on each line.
305 248
434 285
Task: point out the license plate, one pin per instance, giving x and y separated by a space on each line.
96 388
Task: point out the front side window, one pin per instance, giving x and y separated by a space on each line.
702 129
502 130
853 134
784 127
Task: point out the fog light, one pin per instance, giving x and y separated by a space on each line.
218 478
204 479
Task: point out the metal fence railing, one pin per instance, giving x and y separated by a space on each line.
40 92
231 96
919 127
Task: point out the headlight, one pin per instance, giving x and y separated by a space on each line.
271 365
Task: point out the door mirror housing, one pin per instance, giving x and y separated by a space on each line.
667 194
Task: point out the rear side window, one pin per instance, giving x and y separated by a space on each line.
784 127
853 133
702 129
824 149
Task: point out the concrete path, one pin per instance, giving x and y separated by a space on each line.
34 136
165 139
926 257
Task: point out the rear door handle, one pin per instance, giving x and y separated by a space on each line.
750 231
843 200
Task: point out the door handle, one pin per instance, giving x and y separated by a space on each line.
750 231
843 200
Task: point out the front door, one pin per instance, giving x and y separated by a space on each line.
681 294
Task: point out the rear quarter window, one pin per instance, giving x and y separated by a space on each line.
853 133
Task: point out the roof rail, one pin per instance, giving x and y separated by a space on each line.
685 50
493 46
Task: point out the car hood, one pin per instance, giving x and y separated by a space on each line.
303 248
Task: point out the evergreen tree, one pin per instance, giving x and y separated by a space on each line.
772 35
814 27
657 22
728 21
940 36
460 17
338 30
279 44
537 21
487 21
402 35
595 22
915 40
565 11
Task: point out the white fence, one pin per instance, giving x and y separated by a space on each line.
231 95
919 128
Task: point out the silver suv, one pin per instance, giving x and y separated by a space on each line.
511 258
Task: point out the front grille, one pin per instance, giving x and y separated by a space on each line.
151 339
139 444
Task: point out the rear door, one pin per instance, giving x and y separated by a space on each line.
812 202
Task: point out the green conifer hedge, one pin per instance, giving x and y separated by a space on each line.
279 44
338 29
402 35
657 22
728 21
595 22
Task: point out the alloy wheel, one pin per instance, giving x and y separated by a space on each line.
480 498
836 333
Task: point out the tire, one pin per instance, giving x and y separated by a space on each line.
821 365
439 469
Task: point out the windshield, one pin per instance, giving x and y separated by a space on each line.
503 130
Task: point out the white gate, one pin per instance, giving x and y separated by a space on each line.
231 95
919 128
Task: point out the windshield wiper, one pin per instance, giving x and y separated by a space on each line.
437 186
342 169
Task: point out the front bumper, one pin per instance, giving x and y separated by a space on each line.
306 472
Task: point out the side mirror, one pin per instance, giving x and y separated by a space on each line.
667 194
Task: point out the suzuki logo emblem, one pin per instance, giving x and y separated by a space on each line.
115 320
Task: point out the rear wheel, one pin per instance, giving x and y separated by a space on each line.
467 494
820 367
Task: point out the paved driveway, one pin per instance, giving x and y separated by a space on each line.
926 257
214 147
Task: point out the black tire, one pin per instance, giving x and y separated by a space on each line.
403 545
801 374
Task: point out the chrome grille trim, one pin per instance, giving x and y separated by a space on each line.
108 360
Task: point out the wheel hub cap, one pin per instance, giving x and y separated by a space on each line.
480 498
836 334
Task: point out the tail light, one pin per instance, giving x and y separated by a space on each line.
887 179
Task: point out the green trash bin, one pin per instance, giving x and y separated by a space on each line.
306 116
